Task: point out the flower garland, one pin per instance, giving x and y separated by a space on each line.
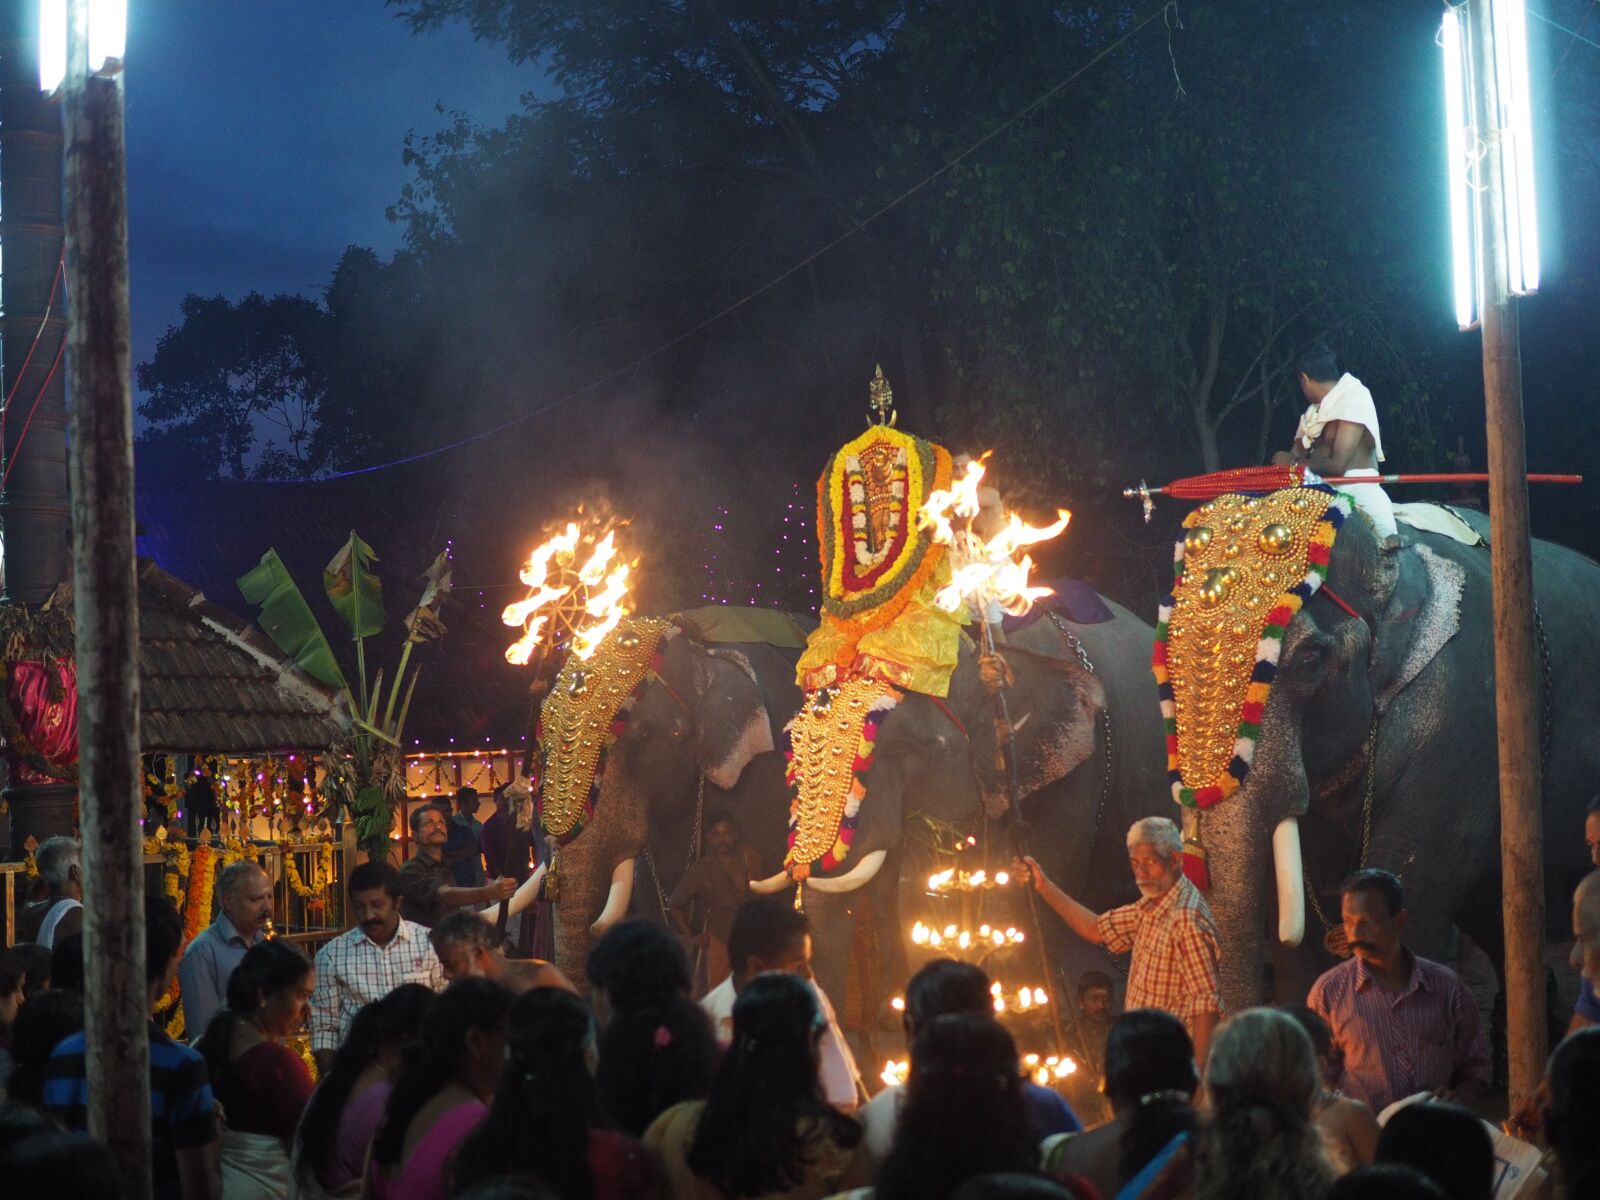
1198 600
202 871
825 804
321 872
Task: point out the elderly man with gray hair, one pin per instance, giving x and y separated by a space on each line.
59 911
1169 929
244 903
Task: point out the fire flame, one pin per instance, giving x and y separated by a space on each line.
985 570
585 600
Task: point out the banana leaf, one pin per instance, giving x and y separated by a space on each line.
423 623
355 592
286 617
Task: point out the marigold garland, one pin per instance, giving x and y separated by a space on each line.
321 872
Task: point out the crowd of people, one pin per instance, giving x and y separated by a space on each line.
445 1067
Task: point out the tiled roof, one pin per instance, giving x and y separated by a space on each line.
211 683
210 532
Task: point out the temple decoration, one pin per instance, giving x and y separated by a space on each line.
1244 567
830 747
881 572
586 711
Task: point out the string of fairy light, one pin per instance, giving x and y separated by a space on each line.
780 574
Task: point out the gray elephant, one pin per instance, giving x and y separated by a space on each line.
696 734
1074 684
1376 745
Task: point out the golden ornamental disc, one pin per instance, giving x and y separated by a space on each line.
825 738
1240 555
575 720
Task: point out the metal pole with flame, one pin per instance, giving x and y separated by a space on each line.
577 589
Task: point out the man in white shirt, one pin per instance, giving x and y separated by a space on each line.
768 935
1338 433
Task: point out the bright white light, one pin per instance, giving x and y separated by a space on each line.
52 44
1455 119
108 39
1516 119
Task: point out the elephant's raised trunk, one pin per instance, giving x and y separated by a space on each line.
1290 871
617 900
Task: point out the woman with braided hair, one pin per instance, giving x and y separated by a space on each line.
1260 1142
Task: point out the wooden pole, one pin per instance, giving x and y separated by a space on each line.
100 462
1516 690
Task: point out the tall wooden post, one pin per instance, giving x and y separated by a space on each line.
100 463
1517 696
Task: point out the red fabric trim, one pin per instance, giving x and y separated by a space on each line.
1339 600
949 712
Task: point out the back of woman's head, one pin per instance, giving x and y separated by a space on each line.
1009 1185
1262 1079
638 964
1385 1181
265 970
652 1058
544 1102
437 1056
963 1115
394 1021
1446 1143
748 1141
1314 1026
1151 1078
1574 1111
41 1025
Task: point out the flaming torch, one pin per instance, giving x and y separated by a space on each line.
577 591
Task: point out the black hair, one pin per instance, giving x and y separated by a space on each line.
749 1139
1574 1075
721 816
396 1019
964 1113
508 1187
463 794
66 962
1008 1185
652 1058
763 929
544 1104
266 968
1150 1073
62 1164
1316 1028
371 875
1090 980
18 1123
1376 879
36 965
437 1057
13 971
1317 361
422 810
466 928
163 935
43 1023
638 964
946 986
1446 1143
1594 805
1385 1181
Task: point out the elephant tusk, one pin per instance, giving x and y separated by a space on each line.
768 887
617 900
1290 870
857 876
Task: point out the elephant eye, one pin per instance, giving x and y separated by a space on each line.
1310 656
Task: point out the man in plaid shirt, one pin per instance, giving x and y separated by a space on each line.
368 962
1169 929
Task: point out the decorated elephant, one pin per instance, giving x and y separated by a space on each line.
1331 702
671 718
1088 747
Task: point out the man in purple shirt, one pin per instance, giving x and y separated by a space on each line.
1403 1024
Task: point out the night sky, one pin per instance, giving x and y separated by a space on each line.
265 137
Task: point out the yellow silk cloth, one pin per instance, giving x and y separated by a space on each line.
917 650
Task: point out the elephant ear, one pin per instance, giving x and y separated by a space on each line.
730 716
1422 615
1055 707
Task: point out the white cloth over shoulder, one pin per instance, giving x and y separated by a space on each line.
1348 400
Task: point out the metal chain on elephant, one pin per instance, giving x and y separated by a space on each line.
694 848
1333 936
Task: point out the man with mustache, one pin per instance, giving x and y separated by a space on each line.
1169 929
1403 1024
367 962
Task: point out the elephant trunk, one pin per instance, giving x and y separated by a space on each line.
617 899
1238 868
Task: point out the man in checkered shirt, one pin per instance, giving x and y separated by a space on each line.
1169 929
368 962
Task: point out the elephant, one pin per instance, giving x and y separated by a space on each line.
700 736
1377 747
936 758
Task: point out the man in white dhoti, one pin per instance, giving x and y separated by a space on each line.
1338 433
